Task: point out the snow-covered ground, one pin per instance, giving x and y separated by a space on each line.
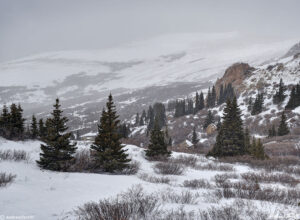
52 195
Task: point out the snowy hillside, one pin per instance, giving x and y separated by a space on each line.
54 195
158 61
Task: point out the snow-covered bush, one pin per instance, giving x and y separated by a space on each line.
197 183
169 168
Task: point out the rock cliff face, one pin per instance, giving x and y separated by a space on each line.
235 75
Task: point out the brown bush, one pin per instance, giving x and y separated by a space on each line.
197 183
167 168
214 166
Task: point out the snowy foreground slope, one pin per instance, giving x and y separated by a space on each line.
52 195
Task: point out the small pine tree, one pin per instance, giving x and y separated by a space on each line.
230 139
247 140
157 147
279 95
292 103
283 127
257 150
57 151
34 129
208 120
195 139
137 119
42 129
196 109
109 154
201 101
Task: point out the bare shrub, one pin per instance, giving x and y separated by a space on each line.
288 164
179 214
154 179
185 197
189 161
251 190
82 161
270 177
236 211
133 204
6 179
197 183
214 166
169 168
15 155
132 168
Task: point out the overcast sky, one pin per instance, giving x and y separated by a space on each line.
33 26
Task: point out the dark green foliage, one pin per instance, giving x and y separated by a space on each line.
279 95
208 98
33 128
208 120
137 119
258 104
272 131
201 101
283 127
160 114
12 123
294 100
158 146
190 106
42 129
247 141
197 103
150 118
225 93
123 130
195 139
57 152
257 150
230 139
250 104
180 108
143 118
108 153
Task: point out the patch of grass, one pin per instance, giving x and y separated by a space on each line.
5 179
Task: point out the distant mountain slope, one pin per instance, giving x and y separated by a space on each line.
83 79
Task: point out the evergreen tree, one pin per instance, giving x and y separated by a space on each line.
42 129
279 95
208 99
250 104
195 139
190 108
208 120
77 135
201 101
197 103
123 130
221 95
258 104
213 97
294 100
109 154
247 141
257 150
5 122
180 108
143 118
137 119
150 117
57 152
272 131
157 147
34 129
167 137
230 139
283 127
160 113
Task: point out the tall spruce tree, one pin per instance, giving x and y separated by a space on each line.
213 97
294 100
230 139
33 128
109 154
283 127
196 109
258 104
57 152
158 146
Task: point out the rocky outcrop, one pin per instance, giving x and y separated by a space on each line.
235 75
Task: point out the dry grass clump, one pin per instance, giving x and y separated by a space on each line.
5 179
169 168
15 155
197 183
271 178
154 179
189 161
215 166
184 197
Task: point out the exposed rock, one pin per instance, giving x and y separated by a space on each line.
235 75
